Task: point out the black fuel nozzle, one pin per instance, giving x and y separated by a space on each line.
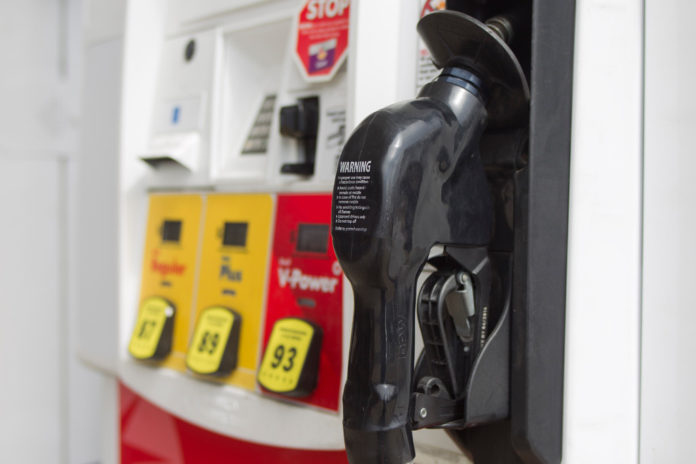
410 177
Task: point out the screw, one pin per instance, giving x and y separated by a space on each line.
423 413
462 278
503 27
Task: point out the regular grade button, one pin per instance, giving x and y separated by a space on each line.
215 342
290 363
152 336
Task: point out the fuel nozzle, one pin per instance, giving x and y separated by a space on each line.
410 177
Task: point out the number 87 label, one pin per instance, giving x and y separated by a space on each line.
291 360
152 335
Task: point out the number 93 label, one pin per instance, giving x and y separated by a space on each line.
213 348
291 359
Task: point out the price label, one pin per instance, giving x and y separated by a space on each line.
213 348
291 360
152 335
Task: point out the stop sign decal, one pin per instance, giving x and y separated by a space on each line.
322 38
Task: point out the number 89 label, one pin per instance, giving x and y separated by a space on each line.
290 362
213 348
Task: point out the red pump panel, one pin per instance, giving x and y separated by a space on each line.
306 281
151 435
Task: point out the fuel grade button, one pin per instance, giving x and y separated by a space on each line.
291 361
215 342
152 336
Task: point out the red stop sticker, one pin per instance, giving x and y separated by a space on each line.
432 5
322 38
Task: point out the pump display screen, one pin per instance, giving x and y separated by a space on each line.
171 231
312 238
235 234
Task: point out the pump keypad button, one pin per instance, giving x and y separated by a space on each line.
213 348
154 327
291 361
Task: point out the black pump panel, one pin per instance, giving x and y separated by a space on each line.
477 164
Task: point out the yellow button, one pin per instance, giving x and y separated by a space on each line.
286 367
152 335
213 348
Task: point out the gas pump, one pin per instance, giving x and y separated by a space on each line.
247 354
234 305
438 185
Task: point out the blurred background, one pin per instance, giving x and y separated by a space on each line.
54 408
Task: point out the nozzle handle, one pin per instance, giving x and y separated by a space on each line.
377 395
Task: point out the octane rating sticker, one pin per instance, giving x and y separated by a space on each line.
147 334
210 340
284 359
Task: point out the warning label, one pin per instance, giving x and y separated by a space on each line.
350 203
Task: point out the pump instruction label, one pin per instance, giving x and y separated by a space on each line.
425 69
335 119
351 203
